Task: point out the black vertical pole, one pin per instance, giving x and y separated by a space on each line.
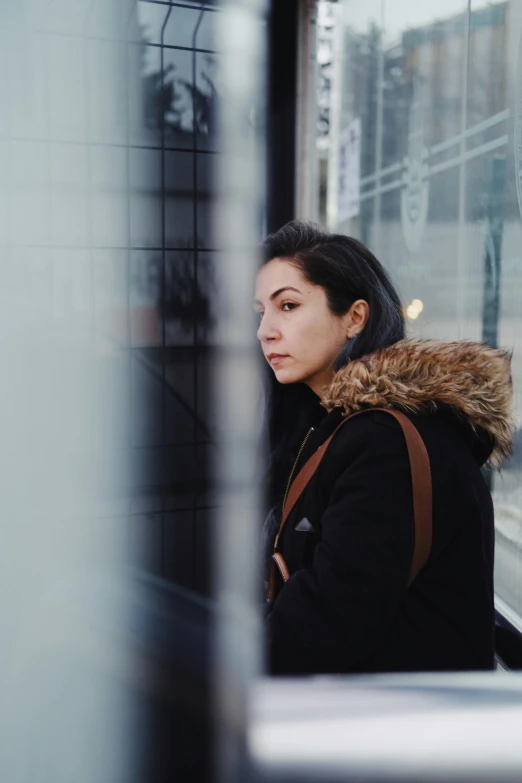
281 112
493 250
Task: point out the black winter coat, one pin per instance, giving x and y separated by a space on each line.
349 541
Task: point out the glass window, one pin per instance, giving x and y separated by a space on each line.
439 198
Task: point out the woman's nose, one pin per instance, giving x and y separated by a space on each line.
267 329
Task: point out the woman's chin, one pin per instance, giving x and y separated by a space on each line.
285 376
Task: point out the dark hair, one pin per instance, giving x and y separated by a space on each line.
347 270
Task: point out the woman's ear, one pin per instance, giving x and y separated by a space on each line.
358 315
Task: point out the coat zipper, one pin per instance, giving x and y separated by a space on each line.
303 444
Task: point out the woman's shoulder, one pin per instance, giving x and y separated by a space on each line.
371 434
380 423
377 434
374 440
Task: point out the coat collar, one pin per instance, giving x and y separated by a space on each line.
470 379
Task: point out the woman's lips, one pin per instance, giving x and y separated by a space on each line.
276 358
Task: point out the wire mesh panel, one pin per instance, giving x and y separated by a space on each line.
172 149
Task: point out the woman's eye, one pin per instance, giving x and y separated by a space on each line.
287 306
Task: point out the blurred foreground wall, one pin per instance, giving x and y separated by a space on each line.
108 327
64 396
107 129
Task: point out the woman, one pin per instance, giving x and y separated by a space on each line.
331 329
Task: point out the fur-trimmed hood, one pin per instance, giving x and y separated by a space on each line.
421 376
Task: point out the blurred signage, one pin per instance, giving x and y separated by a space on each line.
415 197
415 192
349 171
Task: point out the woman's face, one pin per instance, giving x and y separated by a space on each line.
299 334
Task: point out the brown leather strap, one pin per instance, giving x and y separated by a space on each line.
421 488
281 565
422 493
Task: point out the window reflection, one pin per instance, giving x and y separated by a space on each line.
439 187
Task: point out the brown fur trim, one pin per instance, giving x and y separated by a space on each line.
419 376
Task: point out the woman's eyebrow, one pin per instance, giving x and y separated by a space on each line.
279 291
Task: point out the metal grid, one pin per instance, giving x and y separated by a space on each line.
176 528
